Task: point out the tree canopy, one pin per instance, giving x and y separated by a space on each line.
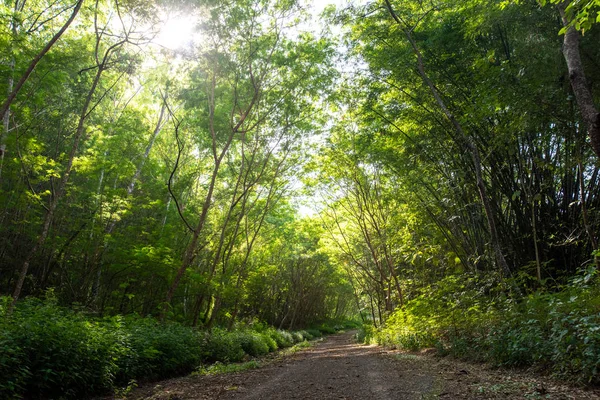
433 141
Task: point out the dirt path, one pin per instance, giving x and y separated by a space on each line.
338 368
335 369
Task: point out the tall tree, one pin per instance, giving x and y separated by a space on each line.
12 88
579 83
104 53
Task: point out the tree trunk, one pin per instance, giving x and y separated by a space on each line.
159 125
538 262
197 309
190 252
215 311
218 158
583 93
6 118
9 88
372 310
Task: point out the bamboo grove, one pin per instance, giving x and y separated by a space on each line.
466 147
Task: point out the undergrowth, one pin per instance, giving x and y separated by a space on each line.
225 368
47 351
476 319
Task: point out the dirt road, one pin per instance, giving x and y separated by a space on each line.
338 368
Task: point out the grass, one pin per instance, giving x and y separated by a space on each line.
406 356
219 368
297 347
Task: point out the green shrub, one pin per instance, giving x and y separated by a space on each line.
220 368
459 346
14 368
306 335
288 338
575 346
326 330
415 341
365 334
222 346
271 343
297 336
253 343
158 350
53 352
314 333
282 338
473 319
351 324
47 351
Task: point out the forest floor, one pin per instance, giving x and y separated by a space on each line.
339 368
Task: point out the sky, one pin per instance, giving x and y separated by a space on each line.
178 29
319 5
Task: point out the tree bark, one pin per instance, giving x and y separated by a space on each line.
583 93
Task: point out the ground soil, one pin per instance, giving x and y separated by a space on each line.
338 368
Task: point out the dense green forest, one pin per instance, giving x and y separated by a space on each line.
428 167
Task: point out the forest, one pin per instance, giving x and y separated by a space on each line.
183 182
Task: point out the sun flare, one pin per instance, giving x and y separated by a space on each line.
178 31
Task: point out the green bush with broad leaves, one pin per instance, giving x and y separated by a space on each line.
326 329
305 335
297 336
52 352
157 350
478 319
282 338
271 343
220 345
253 343
47 351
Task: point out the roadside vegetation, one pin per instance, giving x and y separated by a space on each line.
478 319
50 351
